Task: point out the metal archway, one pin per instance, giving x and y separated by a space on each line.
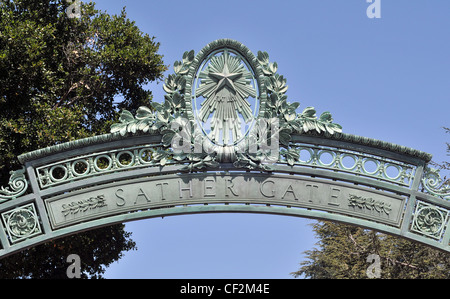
157 163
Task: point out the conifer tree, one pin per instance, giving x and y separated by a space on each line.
342 252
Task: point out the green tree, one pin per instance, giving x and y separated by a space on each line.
343 250
63 79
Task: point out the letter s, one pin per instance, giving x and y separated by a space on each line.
120 200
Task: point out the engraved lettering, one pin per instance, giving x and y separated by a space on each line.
120 200
290 190
272 191
141 193
229 186
210 189
334 195
185 189
225 188
313 191
162 189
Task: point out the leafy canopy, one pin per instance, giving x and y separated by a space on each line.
63 79
342 253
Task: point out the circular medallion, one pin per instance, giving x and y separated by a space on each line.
22 223
429 220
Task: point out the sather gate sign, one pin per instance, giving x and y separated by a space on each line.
225 139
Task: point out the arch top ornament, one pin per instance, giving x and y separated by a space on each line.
225 138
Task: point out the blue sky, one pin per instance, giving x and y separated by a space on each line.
384 78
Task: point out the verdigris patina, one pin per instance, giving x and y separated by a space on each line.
224 139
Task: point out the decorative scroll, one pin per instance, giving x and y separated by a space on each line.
434 184
84 205
18 185
369 204
21 223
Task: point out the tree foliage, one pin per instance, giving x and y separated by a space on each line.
97 249
343 252
63 79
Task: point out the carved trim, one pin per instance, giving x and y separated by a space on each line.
369 204
18 185
366 141
80 143
84 205
434 184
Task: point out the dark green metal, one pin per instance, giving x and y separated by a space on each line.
137 171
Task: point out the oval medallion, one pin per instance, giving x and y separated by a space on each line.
225 97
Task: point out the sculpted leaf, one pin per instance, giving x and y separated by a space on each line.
320 127
144 113
163 116
333 128
123 130
143 125
285 137
180 82
276 84
326 117
188 57
291 156
273 67
126 116
177 66
156 106
132 127
290 116
168 137
177 100
263 58
118 128
309 112
170 85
